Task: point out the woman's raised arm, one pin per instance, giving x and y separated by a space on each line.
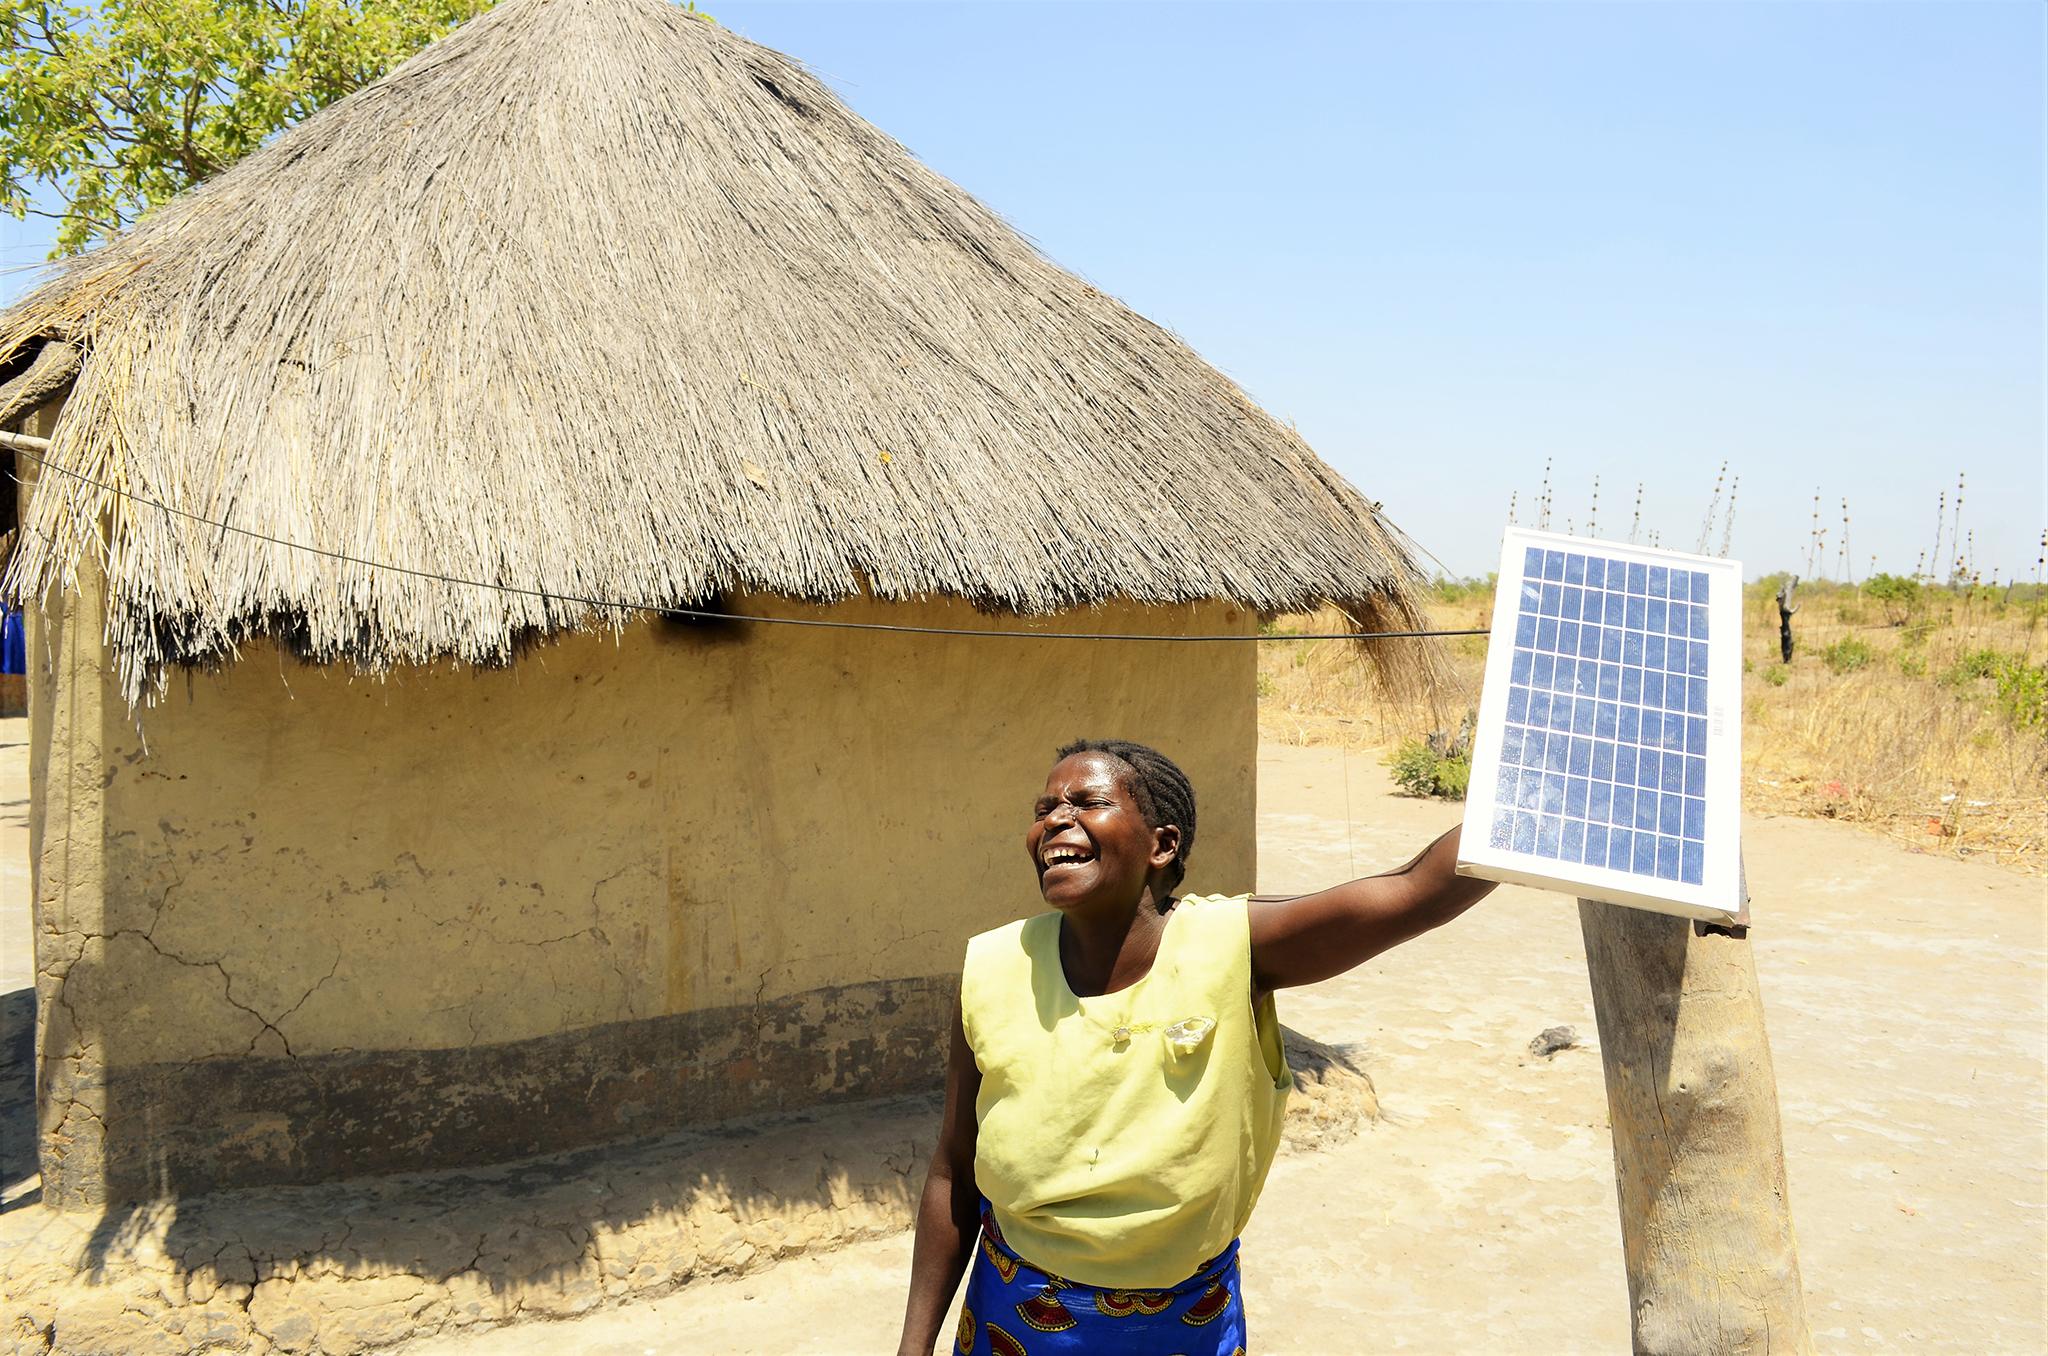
1306 938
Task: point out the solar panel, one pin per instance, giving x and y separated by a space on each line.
1606 761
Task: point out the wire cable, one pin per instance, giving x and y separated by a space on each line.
17 441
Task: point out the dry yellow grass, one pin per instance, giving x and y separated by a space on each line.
1911 741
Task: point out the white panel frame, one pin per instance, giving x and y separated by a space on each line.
1718 898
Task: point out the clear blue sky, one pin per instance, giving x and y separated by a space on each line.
1449 240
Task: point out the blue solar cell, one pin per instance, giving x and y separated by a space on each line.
1692 863
1520 665
1696 660
1623 811
1546 634
1503 834
1511 746
1532 595
1638 609
1699 586
1660 581
1574 568
1645 857
1528 789
1674 735
1589 640
1617 609
1696 735
1553 600
1646 809
1696 697
1576 791
1654 619
1525 832
1631 689
1553 564
1679 622
1596 571
1671 815
1518 704
1667 859
1606 715
1573 848
1579 759
1547 835
1625 754
1542 667
1583 712
1632 648
1695 776
1654 650
1695 825
1650 733
1532 562
1653 690
1557 751
1551 800
1620 847
1638 577
1610 644
1525 630
1603 759
1699 622
1567 637
1569 604
1647 778
1537 709
1675 686
1596 844
1599 800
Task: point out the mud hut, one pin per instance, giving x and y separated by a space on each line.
372 829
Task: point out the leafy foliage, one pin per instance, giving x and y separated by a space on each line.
1422 768
1847 655
1895 593
121 104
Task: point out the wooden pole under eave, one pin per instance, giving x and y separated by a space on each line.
1699 1159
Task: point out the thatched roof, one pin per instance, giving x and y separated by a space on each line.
596 298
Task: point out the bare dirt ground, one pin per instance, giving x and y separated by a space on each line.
1906 1002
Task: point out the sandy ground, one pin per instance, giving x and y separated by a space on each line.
1910 1024
1909 1017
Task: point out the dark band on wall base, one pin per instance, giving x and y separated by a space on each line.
179 1129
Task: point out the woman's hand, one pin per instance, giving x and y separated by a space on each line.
1305 938
949 1211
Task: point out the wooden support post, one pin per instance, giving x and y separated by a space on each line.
1706 1227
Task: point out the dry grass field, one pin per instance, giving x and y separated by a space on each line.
1921 713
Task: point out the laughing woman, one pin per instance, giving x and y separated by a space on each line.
1115 1087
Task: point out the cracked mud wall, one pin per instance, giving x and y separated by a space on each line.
303 924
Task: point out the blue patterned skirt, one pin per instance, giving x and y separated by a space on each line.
1014 1309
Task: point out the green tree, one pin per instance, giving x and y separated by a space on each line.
119 104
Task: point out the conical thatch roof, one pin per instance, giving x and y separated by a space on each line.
596 298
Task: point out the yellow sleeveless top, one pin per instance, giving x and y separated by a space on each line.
1124 1139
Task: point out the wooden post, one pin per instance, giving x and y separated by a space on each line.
1698 1156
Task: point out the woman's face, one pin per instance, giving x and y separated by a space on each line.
1089 841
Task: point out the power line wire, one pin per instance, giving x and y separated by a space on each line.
18 443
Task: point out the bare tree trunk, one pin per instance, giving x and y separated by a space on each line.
1698 1156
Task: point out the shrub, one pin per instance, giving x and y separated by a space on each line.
1775 675
1973 665
2023 692
1895 593
1913 665
1422 770
1847 655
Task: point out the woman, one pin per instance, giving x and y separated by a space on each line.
1115 1086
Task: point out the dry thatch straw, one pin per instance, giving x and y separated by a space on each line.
596 298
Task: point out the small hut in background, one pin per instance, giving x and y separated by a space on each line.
370 832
